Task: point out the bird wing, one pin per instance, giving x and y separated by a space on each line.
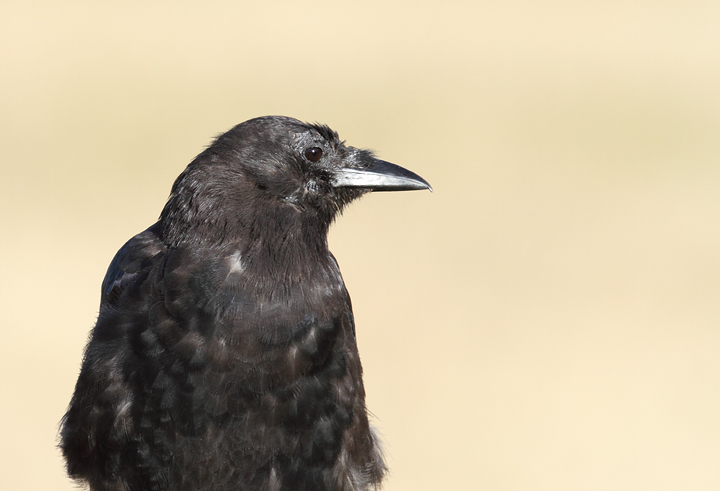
130 260
102 415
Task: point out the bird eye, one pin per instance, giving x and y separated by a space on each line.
313 154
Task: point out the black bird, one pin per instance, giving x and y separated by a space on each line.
224 355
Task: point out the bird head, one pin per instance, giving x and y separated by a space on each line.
275 169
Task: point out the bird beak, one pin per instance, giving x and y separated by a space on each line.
379 176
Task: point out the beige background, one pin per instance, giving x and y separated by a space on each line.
548 319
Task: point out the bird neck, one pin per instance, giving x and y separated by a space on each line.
284 247
279 245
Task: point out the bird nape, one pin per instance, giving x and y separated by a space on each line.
224 355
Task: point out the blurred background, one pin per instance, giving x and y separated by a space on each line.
547 319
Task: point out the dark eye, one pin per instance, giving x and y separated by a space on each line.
313 154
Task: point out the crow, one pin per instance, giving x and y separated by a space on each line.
224 355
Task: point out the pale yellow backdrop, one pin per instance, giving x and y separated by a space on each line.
548 319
